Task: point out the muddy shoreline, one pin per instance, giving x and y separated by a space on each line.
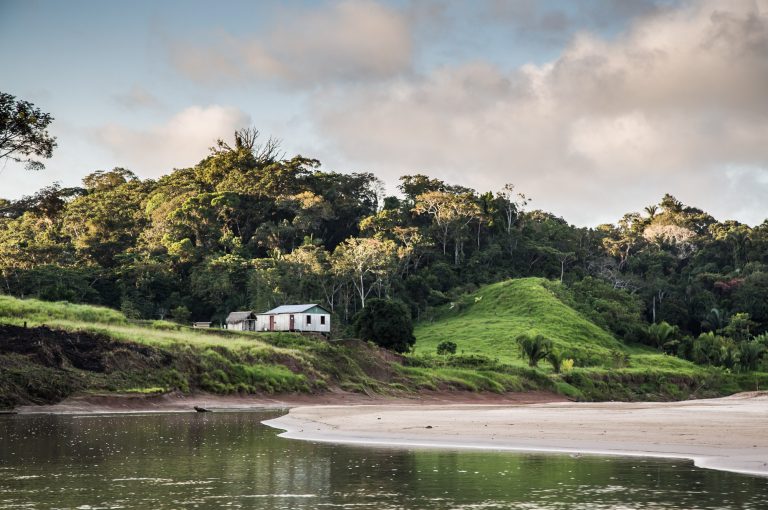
179 402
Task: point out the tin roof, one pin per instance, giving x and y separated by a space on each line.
293 309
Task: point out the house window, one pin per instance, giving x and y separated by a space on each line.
322 320
309 319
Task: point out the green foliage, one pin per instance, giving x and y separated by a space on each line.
23 132
247 228
446 347
663 336
386 323
484 321
535 348
612 309
44 312
750 354
556 360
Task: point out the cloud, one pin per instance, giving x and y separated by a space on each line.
667 106
344 40
180 141
137 97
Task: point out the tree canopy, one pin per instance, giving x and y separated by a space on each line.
24 133
250 228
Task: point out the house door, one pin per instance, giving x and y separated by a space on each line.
271 322
293 322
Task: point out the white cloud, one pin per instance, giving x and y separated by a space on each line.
609 125
344 40
182 140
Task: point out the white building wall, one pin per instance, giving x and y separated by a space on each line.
283 322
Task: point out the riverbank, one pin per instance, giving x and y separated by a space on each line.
725 433
178 402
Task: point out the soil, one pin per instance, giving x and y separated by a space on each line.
85 351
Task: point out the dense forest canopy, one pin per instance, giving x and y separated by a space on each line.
248 228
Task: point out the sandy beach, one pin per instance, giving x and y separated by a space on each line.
729 434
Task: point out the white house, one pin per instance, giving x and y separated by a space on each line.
310 317
241 321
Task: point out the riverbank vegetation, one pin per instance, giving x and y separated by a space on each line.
668 295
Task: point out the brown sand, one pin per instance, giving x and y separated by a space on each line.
178 402
729 434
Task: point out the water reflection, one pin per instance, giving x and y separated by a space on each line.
229 460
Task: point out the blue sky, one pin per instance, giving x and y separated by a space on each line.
594 108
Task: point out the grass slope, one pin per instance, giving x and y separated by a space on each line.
488 321
51 350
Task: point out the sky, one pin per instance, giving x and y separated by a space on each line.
592 108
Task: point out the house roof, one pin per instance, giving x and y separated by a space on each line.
238 317
293 309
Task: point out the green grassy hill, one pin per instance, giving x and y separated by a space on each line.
488 321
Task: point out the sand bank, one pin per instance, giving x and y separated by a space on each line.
729 434
179 402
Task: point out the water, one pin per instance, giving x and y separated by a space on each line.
230 460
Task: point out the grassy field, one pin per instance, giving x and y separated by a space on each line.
488 321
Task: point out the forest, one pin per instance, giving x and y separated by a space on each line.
249 228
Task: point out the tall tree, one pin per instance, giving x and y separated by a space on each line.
24 132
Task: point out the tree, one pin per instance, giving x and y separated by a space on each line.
386 323
363 260
451 214
23 132
534 348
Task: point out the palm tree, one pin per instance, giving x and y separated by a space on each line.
652 210
534 348
662 335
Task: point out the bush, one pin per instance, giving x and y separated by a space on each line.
387 323
567 365
446 347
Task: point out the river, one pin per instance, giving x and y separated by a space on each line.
231 460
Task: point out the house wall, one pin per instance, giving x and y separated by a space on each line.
262 323
236 326
241 326
283 322
315 325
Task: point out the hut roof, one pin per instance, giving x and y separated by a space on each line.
238 317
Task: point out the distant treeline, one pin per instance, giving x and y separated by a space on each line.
247 228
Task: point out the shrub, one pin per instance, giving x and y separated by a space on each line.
446 347
387 323
567 365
